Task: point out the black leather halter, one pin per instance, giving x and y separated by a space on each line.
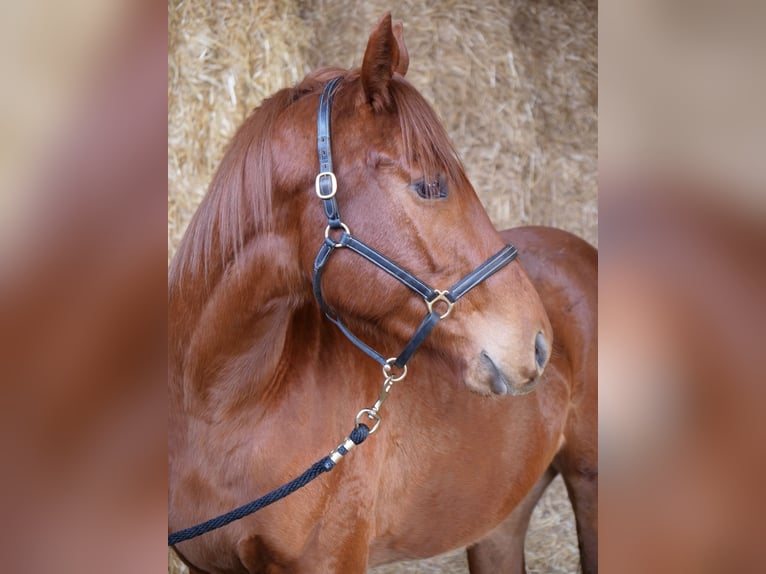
326 187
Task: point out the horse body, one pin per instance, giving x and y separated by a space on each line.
261 384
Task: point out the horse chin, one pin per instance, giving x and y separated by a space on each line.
514 390
494 387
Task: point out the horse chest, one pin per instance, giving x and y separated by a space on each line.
448 486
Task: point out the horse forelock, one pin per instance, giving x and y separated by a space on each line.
424 139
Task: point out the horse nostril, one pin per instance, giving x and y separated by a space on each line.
541 351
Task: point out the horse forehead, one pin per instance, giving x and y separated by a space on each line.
357 133
366 127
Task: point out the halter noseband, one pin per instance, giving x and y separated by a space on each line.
326 186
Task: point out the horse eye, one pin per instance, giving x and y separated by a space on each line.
431 189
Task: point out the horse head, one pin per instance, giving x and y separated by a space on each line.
402 189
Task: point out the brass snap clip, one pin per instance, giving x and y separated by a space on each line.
372 414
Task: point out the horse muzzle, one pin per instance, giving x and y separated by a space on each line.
526 380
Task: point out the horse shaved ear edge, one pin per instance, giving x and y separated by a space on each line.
381 59
404 56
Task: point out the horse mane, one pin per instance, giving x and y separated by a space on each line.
238 203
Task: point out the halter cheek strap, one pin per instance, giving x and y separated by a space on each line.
326 184
326 188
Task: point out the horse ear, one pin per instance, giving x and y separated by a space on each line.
404 57
385 54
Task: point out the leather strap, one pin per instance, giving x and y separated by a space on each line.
324 149
421 333
389 266
321 259
482 272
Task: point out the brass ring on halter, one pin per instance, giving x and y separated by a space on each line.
343 226
440 296
387 370
333 181
373 415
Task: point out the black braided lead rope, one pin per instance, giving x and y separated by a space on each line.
357 436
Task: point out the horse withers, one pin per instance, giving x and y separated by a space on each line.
262 382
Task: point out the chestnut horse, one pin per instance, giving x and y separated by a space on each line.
262 384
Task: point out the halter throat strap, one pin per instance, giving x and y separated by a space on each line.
326 187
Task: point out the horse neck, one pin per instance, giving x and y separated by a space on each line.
229 324
244 329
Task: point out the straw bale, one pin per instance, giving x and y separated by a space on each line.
223 59
514 82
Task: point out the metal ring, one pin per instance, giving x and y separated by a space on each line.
441 296
343 226
387 370
372 415
334 182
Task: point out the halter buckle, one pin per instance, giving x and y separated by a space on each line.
333 182
440 296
